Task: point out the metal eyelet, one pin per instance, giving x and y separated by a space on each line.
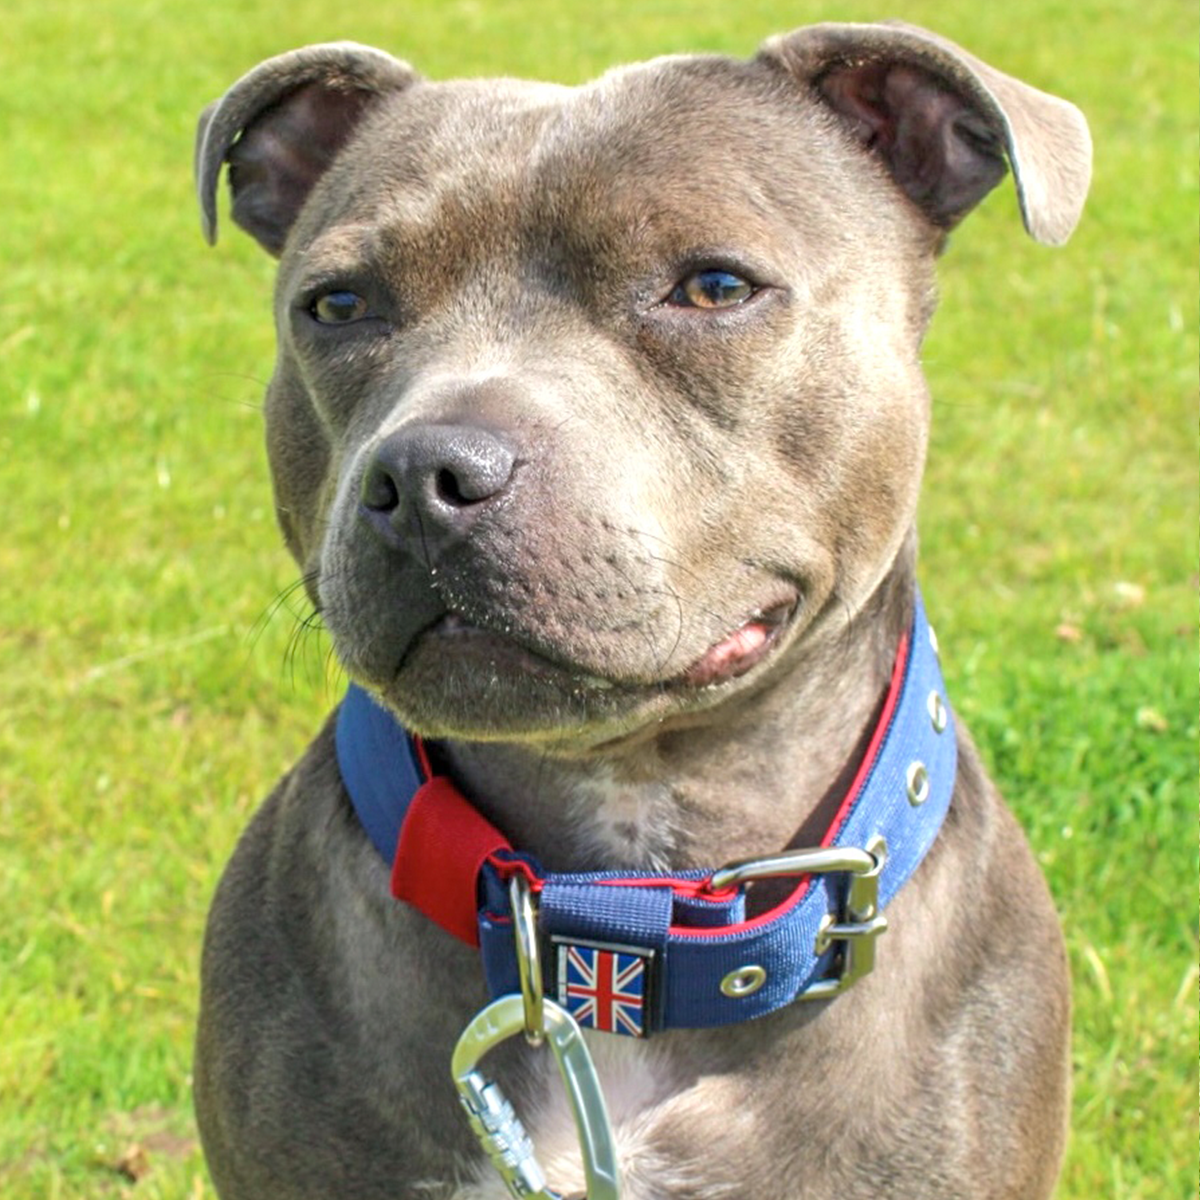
939 716
743 981
917 781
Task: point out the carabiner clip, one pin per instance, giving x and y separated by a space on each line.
497 1126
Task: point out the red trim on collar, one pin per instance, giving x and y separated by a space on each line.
899 668
423 757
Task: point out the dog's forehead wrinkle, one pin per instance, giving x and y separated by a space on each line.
718 140
615 163
438 151
343 255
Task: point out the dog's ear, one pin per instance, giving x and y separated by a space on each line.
281 125
943 122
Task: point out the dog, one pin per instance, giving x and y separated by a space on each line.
596 429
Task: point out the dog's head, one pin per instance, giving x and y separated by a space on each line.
589 403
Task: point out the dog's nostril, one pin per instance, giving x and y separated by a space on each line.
449 489
379 490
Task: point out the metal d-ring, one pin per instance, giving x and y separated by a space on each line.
529 966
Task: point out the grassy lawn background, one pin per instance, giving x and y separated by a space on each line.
148 698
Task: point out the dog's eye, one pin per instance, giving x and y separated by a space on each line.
339 308
711 288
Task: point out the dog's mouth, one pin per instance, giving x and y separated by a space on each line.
740 651
734 655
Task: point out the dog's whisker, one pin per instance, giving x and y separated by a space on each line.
282 600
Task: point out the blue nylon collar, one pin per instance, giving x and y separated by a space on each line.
635 952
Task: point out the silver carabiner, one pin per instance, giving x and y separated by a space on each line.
497 1126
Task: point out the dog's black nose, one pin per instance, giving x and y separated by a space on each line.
429 482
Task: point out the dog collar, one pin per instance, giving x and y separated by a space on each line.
630 952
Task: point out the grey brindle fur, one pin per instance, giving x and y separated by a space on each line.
535 497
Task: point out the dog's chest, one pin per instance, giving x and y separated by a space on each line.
652 1109
621 823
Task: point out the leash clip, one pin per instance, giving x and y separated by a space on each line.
497 1126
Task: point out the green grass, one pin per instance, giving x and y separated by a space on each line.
144 709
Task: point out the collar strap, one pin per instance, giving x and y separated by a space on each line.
631 952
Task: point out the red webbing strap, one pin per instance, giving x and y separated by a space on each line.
443 844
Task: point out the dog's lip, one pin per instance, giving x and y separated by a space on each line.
738 652
734 655
454 625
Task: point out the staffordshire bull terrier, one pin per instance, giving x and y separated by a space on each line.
596 430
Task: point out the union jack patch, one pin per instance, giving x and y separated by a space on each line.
605 987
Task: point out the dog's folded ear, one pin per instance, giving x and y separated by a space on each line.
943 122
281 125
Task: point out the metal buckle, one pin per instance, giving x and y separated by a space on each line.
858 924
495 1123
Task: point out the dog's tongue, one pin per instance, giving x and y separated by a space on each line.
733 656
